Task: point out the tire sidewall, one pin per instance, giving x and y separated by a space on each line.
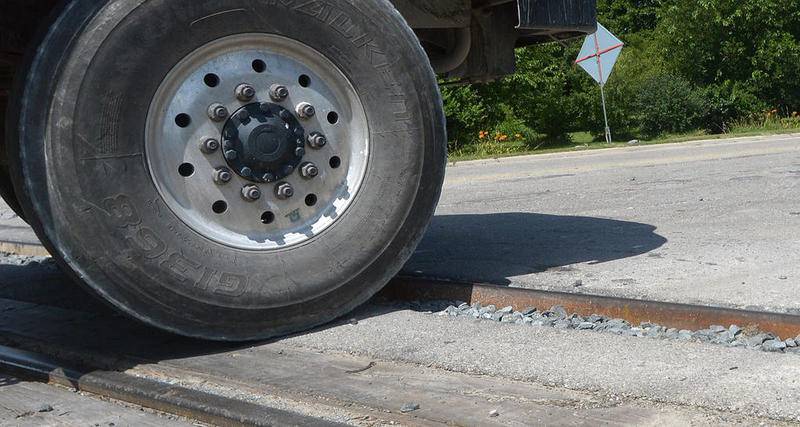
105 217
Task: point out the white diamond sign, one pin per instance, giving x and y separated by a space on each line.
599 54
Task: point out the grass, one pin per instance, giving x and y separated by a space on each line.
582 141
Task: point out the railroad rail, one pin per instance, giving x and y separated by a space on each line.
635 311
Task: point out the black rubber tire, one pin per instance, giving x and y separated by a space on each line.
93 203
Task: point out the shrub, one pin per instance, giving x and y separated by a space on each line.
667 104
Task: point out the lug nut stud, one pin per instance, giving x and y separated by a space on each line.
245 92
222 175
231 155
317 140
284 191
288 169
243 116
217 112
309 170
251 193
306 110
278 92
209 146
268 177
246 172
299 151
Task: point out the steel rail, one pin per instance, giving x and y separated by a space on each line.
670 315
148 393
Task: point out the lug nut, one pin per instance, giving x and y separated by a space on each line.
231 155
209 145
299 151
278 92
246 172
243 115
217 112
317 140
251 193
309 170
284 191
222 176
245 92
306 110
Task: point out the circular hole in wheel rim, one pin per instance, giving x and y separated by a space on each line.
267 218
211 80
259 66
219 207
183 120
311 200
304 80
333 117
186 170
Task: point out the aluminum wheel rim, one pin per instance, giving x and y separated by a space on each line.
179 122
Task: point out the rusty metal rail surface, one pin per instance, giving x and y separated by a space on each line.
671 315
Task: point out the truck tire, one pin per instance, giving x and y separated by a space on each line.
230 169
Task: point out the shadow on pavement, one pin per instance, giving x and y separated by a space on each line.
39 304
493 247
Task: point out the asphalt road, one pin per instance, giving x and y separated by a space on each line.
714 222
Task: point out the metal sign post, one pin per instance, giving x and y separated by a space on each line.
604 48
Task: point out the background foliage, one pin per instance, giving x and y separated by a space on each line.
688 65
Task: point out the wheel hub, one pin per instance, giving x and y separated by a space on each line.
263 142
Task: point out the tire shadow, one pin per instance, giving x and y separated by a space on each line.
38 303
493 247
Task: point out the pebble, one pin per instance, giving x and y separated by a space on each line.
773 345
578 283
44 408
757 339
790 342
494 413
562 324
500 314
585 326
409 407
559 311
449 311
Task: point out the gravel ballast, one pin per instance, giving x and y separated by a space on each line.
557 317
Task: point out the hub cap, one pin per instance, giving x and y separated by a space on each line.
264 142
304 116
